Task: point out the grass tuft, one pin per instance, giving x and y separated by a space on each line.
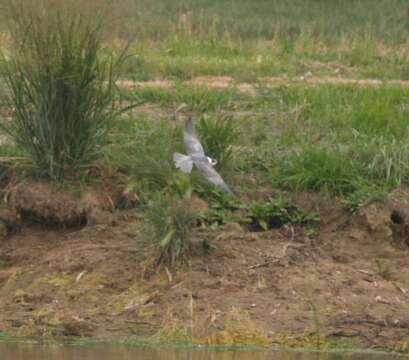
61 87
170 221
319 168
142 149
217 138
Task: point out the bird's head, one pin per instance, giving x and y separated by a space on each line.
211 161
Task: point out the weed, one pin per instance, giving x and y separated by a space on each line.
239 328
225 209
275 212
364 194
384 269
61 88
387 160
174 329
170 221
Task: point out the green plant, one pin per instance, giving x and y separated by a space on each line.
225 208
387 160
170 221
143 148
319 168
200 98
217 138
275 212
61 87
365 193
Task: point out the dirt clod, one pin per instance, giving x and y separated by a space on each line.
52 204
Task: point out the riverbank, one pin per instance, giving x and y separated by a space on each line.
345 283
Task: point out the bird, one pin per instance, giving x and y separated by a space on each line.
197 157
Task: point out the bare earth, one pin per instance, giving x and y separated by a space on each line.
347 280
221 82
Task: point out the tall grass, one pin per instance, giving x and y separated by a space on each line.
349 141
169 224
61 85
319 168
143 149
245 19
217 137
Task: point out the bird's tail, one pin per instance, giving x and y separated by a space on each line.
183 162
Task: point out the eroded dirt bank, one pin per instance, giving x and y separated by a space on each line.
348 279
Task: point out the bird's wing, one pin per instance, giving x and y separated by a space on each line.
192 143
183 162
211 174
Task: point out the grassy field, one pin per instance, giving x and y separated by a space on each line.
244 19
350 141
248 41
344 139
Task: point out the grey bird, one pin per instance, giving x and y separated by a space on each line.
196 156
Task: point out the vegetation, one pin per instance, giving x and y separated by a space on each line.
276 212
271 89
341 139
170 222
217 137
239 39
348 141
60 86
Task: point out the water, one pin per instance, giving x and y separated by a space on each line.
19 351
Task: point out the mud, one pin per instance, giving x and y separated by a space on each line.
345 280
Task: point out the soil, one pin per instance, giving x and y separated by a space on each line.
345 280
222 82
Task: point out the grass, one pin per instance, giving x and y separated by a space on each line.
250 60
55 75
198 98
319 168
245 20
217 137
142 148
346 140
170 221
248 41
